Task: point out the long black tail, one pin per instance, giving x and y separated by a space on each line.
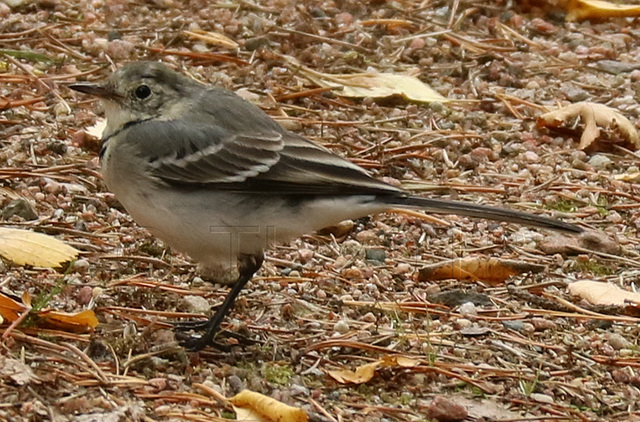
439 206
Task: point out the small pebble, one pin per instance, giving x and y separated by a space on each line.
445 410
462 323
235 383
84 296
368 317
305 255
81 265
366 236
196 304
468 308
352 273
341 327
542 324
377 255
119 49
600 162
417 43
618 342
299 390
516 325
19 207
542 398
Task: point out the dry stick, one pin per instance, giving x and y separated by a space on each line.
321 409
26 32
167 314
17 103
587 312
38 81
201 56
126 364
88 361
222 399
301 94
325 39
146 259
520 37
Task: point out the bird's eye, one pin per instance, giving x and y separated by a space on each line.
142 92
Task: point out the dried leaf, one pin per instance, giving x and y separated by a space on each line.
595 9
25 247
619 130
366 372
212 38
17 372
361 375
480 268
593 240
77 322
254 407
599 293
400 361
372 84
10 309
97 128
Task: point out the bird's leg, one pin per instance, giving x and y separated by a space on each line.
248 265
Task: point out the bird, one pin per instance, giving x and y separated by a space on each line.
215 177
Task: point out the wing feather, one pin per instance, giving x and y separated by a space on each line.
271 162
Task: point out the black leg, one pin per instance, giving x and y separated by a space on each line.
248 265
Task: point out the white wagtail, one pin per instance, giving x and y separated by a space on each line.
214 176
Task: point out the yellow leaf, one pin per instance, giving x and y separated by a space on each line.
10 309
77 322
254 407
25 247
361 375
590 9
619 130
371 84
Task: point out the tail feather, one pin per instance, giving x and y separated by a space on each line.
438 206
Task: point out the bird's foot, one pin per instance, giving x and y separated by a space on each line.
195 342
196 325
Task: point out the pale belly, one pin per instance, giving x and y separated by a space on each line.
214 227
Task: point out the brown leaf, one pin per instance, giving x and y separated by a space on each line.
361 374
16 371
254 407
10 309
77 322
618 129
599 293
592 240
371 84
365 373
480 268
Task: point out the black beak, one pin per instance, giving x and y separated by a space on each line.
91 88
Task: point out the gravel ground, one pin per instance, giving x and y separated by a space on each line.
521 350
